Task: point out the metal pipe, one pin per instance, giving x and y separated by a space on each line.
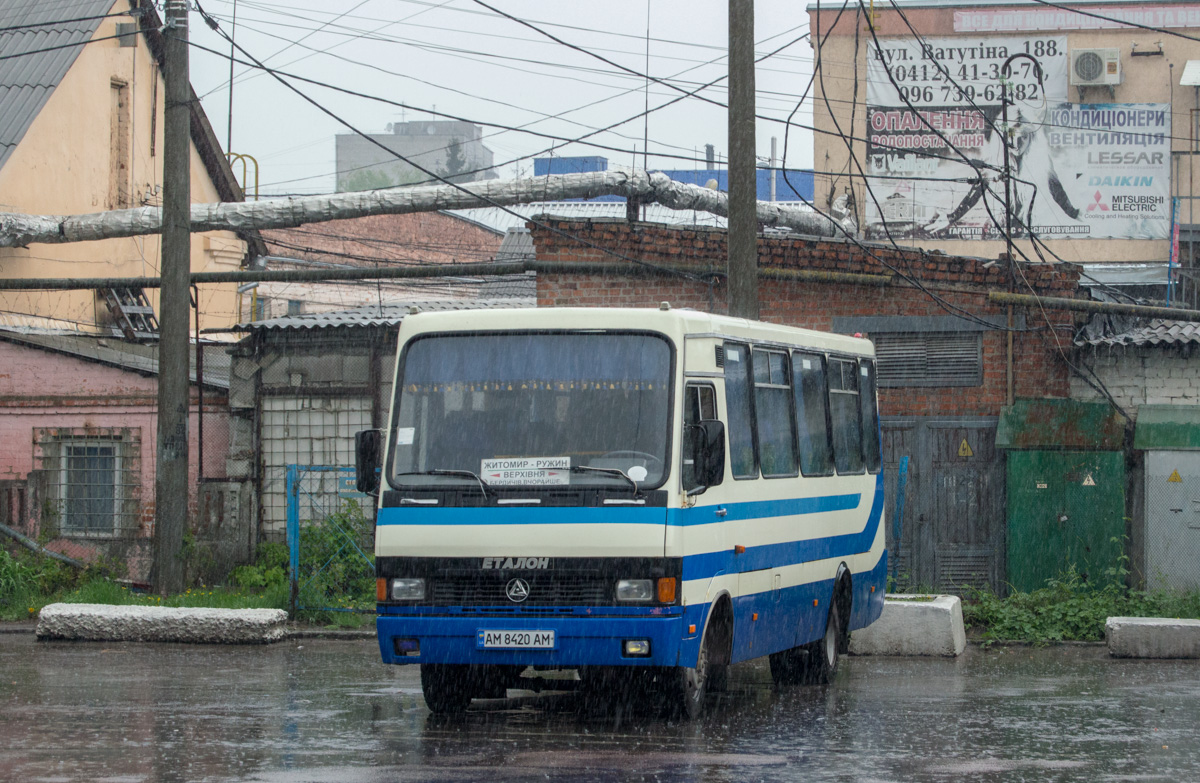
1087 306
34 546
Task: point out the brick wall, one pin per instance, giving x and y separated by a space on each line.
1141 375
956 282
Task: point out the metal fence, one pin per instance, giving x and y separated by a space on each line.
331 541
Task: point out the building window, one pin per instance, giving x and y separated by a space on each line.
92 481
929 359
119 156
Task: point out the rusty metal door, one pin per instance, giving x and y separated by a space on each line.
953 533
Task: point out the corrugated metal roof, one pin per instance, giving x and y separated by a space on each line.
391 314
29 73
137 357
517 246
502 219
1155 332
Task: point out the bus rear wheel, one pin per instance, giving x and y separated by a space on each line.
814 663
447 688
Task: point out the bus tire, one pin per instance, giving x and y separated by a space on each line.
692 682
820 661
448 688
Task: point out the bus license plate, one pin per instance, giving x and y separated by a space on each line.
515 640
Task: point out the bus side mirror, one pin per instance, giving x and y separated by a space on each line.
708 454
367 447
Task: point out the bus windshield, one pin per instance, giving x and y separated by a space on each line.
533 409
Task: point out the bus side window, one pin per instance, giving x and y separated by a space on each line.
812 414
845 416
739 408
773 411
700 403
870 414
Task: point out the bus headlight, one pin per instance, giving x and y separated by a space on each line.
635 590
408 589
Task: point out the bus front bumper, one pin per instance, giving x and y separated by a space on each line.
577 640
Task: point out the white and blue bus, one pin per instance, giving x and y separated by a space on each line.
615 489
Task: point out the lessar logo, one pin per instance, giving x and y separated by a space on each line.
504 563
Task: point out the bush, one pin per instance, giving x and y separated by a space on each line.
333 572
1068 609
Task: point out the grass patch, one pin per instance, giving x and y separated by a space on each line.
1068 609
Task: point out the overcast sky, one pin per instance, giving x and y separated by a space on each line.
460 58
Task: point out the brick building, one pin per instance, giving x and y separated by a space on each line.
943 360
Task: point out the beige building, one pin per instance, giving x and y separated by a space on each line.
1101 117
81 130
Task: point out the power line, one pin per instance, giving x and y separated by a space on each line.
639 262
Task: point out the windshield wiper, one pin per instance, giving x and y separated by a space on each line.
609 471
483 485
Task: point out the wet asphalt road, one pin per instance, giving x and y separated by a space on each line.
319 710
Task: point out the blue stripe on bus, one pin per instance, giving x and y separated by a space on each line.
756 558
764 509
700 515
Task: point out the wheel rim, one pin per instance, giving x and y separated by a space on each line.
694 678
831 639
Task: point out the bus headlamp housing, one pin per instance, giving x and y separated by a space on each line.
635 590
408 589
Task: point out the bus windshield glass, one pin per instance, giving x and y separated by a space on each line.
536 409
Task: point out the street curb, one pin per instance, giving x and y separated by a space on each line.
1152 637
108 623
914 625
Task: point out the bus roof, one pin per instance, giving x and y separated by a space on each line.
673 322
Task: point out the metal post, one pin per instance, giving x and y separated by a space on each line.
1008 240
171 484
743 196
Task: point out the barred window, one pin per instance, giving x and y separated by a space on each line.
929 359
93 481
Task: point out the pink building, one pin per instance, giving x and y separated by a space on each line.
78 419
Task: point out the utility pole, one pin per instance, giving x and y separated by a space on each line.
743 184
171 473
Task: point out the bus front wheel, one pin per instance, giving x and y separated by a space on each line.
447 688
693 682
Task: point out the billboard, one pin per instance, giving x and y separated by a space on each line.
936 156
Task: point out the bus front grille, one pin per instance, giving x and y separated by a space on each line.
470 591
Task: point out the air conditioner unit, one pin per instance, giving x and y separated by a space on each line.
1095 67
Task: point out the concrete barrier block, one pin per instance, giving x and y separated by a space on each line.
101 622
1152 637
914 625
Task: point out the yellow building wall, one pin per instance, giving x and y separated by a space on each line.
1146 80
61 167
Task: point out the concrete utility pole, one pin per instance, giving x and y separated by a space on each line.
743 184
171 475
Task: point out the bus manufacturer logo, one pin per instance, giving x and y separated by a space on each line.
517 590
504 563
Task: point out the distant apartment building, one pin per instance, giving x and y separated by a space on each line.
450 149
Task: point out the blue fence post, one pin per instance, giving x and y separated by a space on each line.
293 537
898 519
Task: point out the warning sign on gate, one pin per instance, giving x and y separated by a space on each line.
1088 481
1175 477
964 449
